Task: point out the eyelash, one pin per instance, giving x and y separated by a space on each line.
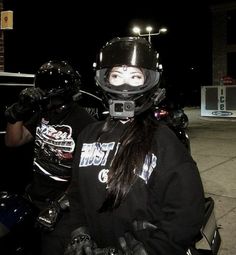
132 77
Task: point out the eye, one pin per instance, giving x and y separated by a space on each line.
137 77
116 78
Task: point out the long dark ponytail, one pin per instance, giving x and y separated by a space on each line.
135 144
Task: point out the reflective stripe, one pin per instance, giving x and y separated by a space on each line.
51 176
189 252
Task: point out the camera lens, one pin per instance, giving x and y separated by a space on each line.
129 106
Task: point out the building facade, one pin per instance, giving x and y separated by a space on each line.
224 43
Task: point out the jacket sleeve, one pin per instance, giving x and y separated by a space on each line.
182 211
180 201
76 214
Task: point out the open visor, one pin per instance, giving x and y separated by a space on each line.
151 79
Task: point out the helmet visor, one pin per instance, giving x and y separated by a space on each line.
48 80
128 51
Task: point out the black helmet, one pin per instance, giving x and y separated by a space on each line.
134 52
57 78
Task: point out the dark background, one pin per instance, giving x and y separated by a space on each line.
44 30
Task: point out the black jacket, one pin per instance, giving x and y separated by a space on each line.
168 194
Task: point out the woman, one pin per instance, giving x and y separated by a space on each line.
135 188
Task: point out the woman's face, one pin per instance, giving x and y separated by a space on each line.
120 75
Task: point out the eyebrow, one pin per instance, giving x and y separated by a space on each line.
116 71
134 72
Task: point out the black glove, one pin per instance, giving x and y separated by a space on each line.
81 243
48 218
131 246
29 100
107 251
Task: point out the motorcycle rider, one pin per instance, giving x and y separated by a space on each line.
135 188
49 114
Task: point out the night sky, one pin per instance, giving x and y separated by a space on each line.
63 30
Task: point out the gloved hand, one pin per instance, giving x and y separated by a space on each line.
131 246
29 100
107 251
81 243
48 218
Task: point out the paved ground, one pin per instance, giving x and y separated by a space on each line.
213 147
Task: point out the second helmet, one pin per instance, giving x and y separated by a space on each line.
57 78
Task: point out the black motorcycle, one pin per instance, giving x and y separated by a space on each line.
172 114
176 120
18 236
